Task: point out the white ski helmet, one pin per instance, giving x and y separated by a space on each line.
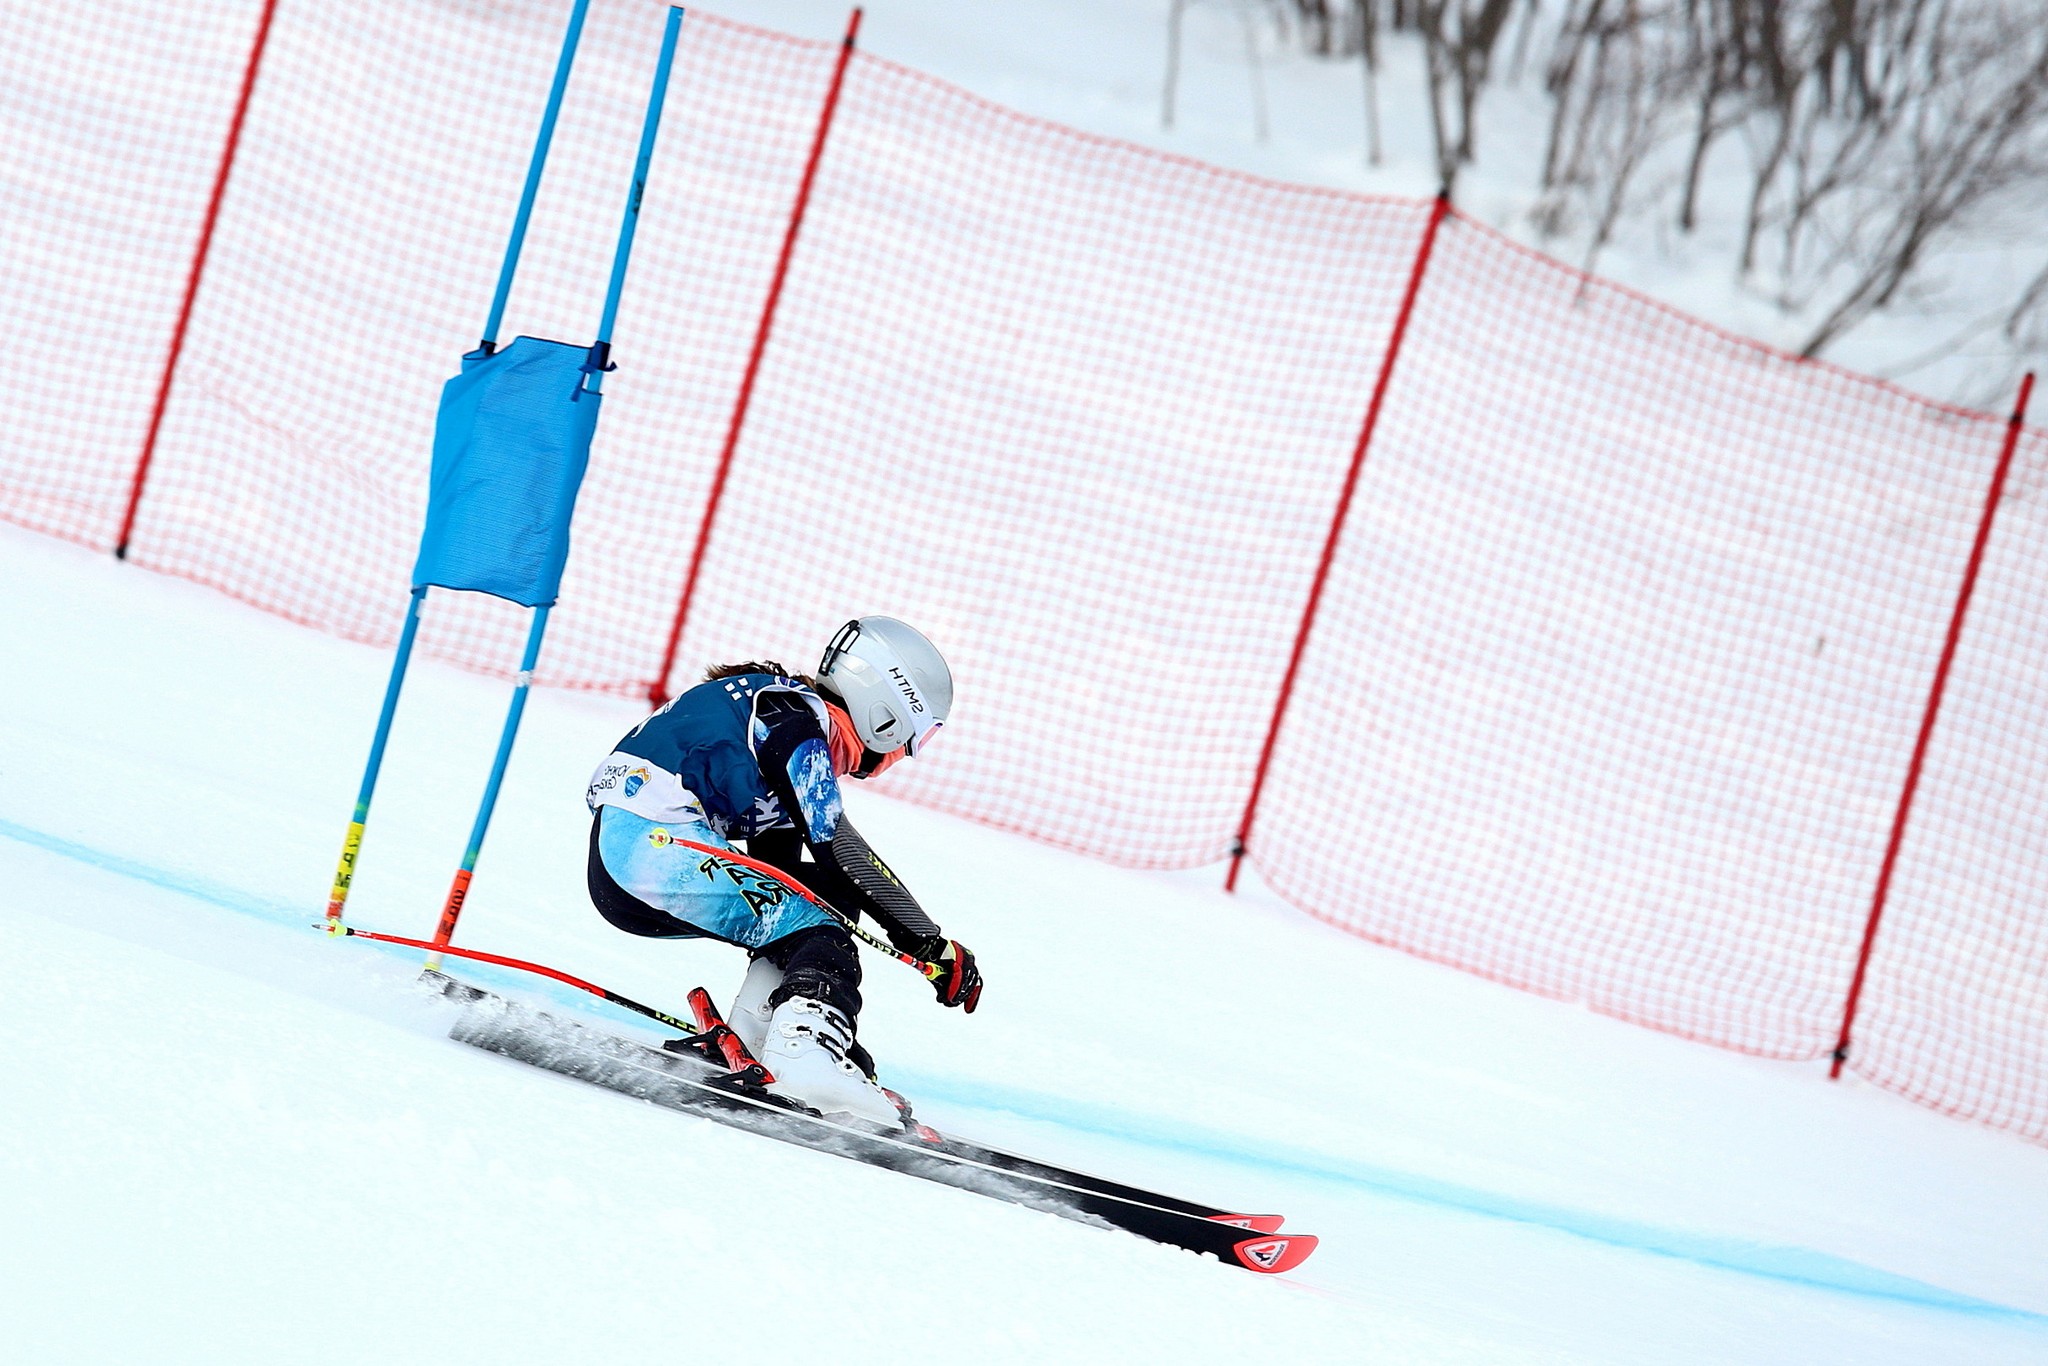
891 680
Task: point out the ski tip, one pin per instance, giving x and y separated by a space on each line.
1251 1223
1271 1256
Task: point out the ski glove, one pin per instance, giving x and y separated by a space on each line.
959 983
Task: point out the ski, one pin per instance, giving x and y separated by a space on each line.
682 1082
1043 1171
715 1033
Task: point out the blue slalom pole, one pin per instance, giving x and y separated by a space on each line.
600 353
594 369
533 170
344 872
457 893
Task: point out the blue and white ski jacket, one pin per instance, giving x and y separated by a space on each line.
748 756
700 759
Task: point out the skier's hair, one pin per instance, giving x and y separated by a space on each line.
757 666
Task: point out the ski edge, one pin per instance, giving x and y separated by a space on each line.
1265 1255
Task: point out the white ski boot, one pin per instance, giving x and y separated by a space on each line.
748 1017
806 1050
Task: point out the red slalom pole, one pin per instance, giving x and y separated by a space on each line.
929 971
657 690
220 187
1315 593
1920 746
341 931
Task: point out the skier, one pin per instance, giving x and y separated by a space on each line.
753 755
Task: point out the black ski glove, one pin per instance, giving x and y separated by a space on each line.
960 982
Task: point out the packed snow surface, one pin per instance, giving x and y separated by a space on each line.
226 1138
229 1138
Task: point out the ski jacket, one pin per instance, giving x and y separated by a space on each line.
749 757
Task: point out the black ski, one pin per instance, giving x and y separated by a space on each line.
715 1034
1044 1171
681 1082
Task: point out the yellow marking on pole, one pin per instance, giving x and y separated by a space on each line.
345 871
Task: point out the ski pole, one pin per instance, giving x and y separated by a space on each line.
341 931
932 971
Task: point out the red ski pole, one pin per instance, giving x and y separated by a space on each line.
341 931
932 971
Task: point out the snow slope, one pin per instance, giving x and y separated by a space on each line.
226 1138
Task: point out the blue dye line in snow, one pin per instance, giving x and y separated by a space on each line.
278 912
1791 1265
198 888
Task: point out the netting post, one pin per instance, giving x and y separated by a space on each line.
1920 745
657 688
1238 846
199 252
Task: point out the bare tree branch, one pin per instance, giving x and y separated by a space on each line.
1876 131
